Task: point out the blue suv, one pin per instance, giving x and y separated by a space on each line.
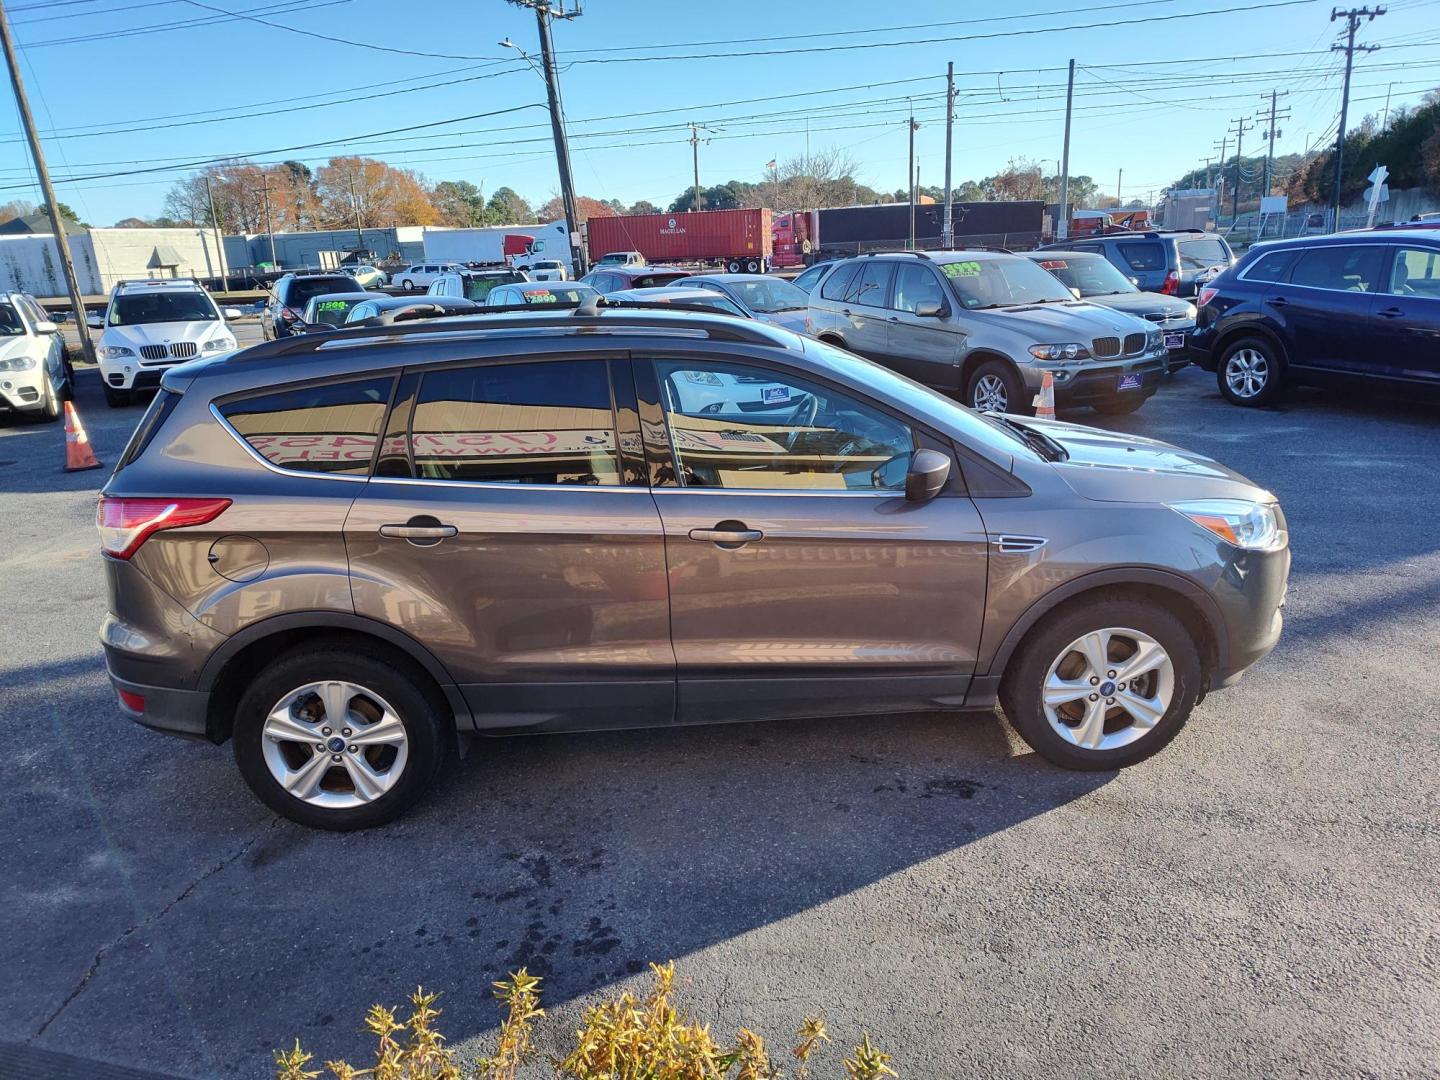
1350 308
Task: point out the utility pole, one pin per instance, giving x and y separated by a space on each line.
695 155
1207 170
1119 177
947 230
269 228
1062 215
219 240
355 203
57 223
1271 135
1222 146
1352 20
1240 130
913 127
545 12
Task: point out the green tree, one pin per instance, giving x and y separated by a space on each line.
507 208
460 203
643 206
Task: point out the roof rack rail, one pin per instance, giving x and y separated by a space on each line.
986 247
895 251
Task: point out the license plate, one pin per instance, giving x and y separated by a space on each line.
1129 382
1175 339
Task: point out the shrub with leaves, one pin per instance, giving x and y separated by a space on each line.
625 1038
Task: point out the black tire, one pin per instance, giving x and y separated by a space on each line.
69 392
1262 359
418 704
733 266
1006 381
407 284
115 398
50 406
1024 679
1119 406
752 266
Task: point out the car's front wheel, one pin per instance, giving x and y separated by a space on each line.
115 398
1103 683
1249 372
995 386
339 738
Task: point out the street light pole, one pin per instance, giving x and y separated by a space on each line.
1062 215
57 223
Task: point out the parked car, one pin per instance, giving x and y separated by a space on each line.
153 324
545 270
409 307
614 278
620 258
329 310
35 371
683 295
769 299
569 292
1093 277
986 326
806 280
420 275
365 275
290 294
1174 263
529 530
1359 309
472 284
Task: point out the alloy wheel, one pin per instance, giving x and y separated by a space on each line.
1108 688
334 744
1247 372
990 395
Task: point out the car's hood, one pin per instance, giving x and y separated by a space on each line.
789 320
1143 304
1056 323
1108 466
18 345
161 333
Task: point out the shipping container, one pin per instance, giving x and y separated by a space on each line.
848 230
740 240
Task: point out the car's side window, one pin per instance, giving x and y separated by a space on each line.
1273 266
873 284
838 283
532 422
916 285
738 427
1148 256
1342 269
1416 272
331 428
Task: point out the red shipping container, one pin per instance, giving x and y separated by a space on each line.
710 235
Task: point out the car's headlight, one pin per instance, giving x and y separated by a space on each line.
114 352
17 363
1067 351
1250 525
219 344
1154 339
705 378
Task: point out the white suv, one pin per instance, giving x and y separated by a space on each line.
35 371
152 325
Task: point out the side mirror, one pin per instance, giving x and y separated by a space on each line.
929 469
233 313
95 322
929 309
45 326
1075 292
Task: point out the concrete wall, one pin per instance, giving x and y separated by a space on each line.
32 264
127 253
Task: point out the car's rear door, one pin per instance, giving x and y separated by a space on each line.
864 311
501 531
1328 304
802 583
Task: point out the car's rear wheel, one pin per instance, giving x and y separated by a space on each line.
1103 684
339 738
1250 372
407 284
995 386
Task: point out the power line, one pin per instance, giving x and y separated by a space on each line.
166 27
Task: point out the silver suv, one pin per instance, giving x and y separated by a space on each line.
342 551
985 326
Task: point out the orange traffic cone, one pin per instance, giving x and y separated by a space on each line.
1045 400
78 455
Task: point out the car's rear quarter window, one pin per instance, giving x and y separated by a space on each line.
1272 266
161 406
331 428
1200 254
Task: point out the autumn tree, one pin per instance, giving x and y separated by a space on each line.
585 209
378 194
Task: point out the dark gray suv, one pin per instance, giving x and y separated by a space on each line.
1172 263
340 551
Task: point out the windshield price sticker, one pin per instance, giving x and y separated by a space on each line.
331 305
539 296
961 269
773 395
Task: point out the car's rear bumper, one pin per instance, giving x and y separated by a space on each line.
177 712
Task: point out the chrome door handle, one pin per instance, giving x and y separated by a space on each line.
418 532
727 534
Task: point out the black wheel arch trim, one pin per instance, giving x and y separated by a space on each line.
1118 576
337 620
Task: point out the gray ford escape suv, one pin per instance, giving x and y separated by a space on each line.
340 551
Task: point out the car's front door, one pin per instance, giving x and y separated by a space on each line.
1328 305
1407 315
500 532
924 347
802 583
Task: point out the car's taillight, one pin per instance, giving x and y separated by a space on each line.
289 314
1207 294
125 524
1171 285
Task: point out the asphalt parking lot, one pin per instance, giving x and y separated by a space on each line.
1258 900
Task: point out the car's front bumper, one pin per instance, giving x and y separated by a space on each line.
21 391
1251 596
1089 380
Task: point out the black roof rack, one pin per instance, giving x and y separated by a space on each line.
986 247
895 251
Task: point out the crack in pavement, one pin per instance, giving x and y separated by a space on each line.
185 892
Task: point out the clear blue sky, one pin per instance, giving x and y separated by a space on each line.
97 65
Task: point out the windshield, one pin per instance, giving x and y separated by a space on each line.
770 295
478 287
991 283
10 324
1092 275
158 307
331 310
